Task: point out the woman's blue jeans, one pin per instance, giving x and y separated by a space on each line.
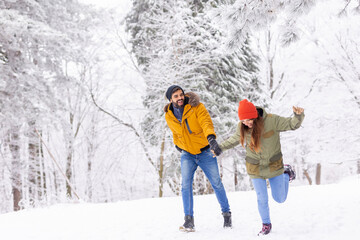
279 189
208 163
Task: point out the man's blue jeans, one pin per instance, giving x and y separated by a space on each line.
279 190
208 163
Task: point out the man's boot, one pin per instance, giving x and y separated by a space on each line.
189 225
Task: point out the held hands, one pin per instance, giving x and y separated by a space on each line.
298 110
214 146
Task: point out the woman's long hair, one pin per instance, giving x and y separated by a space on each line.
256 132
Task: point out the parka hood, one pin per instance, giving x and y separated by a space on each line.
261 111
190 98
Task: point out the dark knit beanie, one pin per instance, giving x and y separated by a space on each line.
247 110
170 91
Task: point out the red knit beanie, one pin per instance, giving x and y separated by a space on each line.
247 110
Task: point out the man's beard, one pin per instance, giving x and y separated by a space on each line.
177 105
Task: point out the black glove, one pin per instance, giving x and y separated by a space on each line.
214 146
179 149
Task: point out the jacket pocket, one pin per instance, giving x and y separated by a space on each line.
252 166
276 162
268 134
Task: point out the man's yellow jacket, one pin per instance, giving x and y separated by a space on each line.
191 133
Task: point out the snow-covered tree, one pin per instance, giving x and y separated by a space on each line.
335 37
39 41
303 73
242 17
176 42
26 92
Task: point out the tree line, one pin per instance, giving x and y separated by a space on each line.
64 135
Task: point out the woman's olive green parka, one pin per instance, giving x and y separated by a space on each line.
268 162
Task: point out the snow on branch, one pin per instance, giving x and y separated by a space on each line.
244 16
289 33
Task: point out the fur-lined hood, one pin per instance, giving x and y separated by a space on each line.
190 98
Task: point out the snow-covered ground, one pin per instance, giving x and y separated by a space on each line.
310 212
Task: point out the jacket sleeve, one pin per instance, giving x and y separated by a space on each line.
205 120
290 123
171 126
232 141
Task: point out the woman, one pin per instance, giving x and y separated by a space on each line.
260 132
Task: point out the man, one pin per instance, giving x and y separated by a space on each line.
194 137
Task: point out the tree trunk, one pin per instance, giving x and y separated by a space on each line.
318 174
36 173
221 168
16 197
69 172
270 60
307 176
69 157
161 165
91 155
15 168
236 182
89 181
358 167
32 169
42 170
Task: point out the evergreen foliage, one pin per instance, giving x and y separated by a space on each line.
176 42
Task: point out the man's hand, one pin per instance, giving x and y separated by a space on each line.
214 146
298 110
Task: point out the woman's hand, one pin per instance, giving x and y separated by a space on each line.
298 110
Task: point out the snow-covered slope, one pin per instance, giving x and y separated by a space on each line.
310 212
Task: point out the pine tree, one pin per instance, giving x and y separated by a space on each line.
176 42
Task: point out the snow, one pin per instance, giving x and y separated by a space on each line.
108 3
310 212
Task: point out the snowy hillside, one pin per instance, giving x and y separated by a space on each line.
311 212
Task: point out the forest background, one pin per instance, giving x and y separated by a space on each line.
82 92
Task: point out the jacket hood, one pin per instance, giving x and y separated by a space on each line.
261 111
190 98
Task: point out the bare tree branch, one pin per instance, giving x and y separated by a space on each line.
128 125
